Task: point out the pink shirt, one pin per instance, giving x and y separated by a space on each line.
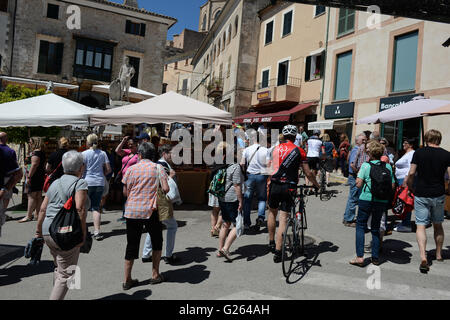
125 163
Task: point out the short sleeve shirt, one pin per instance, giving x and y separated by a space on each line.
9 159
55 160
127 161
94 160
234 176
142 182
314 146
56 200
287 158
364 174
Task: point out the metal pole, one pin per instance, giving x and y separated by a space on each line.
325 61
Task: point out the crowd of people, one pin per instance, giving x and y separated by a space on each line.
149 187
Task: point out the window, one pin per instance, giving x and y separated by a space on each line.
50 57
229 67
135 28
218 49
164 88
236 25
229 34
204 23
224 40
314 66
185 87
220 71
135 62
287 23
283 71
4 5
269 33
165 67
319 10
343 74
405 61
186 62
265 79
52 11
216 16
176 65
93 59
346 21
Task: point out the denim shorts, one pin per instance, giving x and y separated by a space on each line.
229 211
427 209
95 195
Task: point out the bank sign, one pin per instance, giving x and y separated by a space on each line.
392 102
339 111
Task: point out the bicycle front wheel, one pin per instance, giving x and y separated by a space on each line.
289 247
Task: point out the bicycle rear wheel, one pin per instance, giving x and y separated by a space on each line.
289 248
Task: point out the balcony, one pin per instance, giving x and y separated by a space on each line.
215 88
276 91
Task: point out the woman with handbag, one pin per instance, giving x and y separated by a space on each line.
35 178
231 203
57 195
129 158
54 163
330 151
344 148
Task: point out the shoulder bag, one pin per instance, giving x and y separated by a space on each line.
165 207
48 178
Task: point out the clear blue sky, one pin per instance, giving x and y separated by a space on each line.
185 11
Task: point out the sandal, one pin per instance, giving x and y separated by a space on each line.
424 267
131 284
226 254
26 219
355 262
157 280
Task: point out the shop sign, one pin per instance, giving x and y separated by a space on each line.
392 102
263 95
340 110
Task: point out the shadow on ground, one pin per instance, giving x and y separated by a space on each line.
310 259
16 273
138 295
193 275
193 254
251 252
394 251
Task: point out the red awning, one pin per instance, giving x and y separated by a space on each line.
279 116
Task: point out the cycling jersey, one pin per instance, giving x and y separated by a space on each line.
287 158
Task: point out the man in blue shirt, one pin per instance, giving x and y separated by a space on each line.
352 202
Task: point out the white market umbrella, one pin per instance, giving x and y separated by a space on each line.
132 92
412 109
439 111
169 107
48 110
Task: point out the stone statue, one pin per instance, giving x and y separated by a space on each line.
49 87
126 73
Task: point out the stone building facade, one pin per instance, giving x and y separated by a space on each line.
62 40
226 61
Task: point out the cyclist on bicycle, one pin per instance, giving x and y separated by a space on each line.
287 159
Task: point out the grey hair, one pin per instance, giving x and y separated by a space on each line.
147 150
72 161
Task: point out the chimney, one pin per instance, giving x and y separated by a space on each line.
131 3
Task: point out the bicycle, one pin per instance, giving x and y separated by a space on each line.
294 234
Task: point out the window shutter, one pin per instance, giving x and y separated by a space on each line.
59 57
287 23
322 64
128 27
43 56
143 25
269 32
308 68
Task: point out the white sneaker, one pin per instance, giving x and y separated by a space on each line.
401 228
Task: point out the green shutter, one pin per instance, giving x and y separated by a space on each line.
405 62
343 74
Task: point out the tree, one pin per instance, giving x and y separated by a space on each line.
21 134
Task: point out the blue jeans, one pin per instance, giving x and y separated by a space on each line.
172 227
95 195
352 202
367 209
258 183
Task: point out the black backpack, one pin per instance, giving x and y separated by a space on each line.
66 229
381 181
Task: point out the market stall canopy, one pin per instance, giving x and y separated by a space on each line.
442 110
278 116
412 109
133 92
48 110
321 125
169 107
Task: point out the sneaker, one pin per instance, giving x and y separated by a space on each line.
146 259
98 237
277 256
170 260
401 228
272 246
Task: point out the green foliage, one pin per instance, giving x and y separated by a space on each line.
21 134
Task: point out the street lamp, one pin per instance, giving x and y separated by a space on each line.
80 80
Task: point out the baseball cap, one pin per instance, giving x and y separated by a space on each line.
143 135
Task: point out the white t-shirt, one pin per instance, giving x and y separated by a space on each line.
403 164
298 140
314 145
259 160
94 160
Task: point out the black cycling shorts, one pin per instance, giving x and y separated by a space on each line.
314 163
280 197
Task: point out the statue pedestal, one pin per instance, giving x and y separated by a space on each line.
115 104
